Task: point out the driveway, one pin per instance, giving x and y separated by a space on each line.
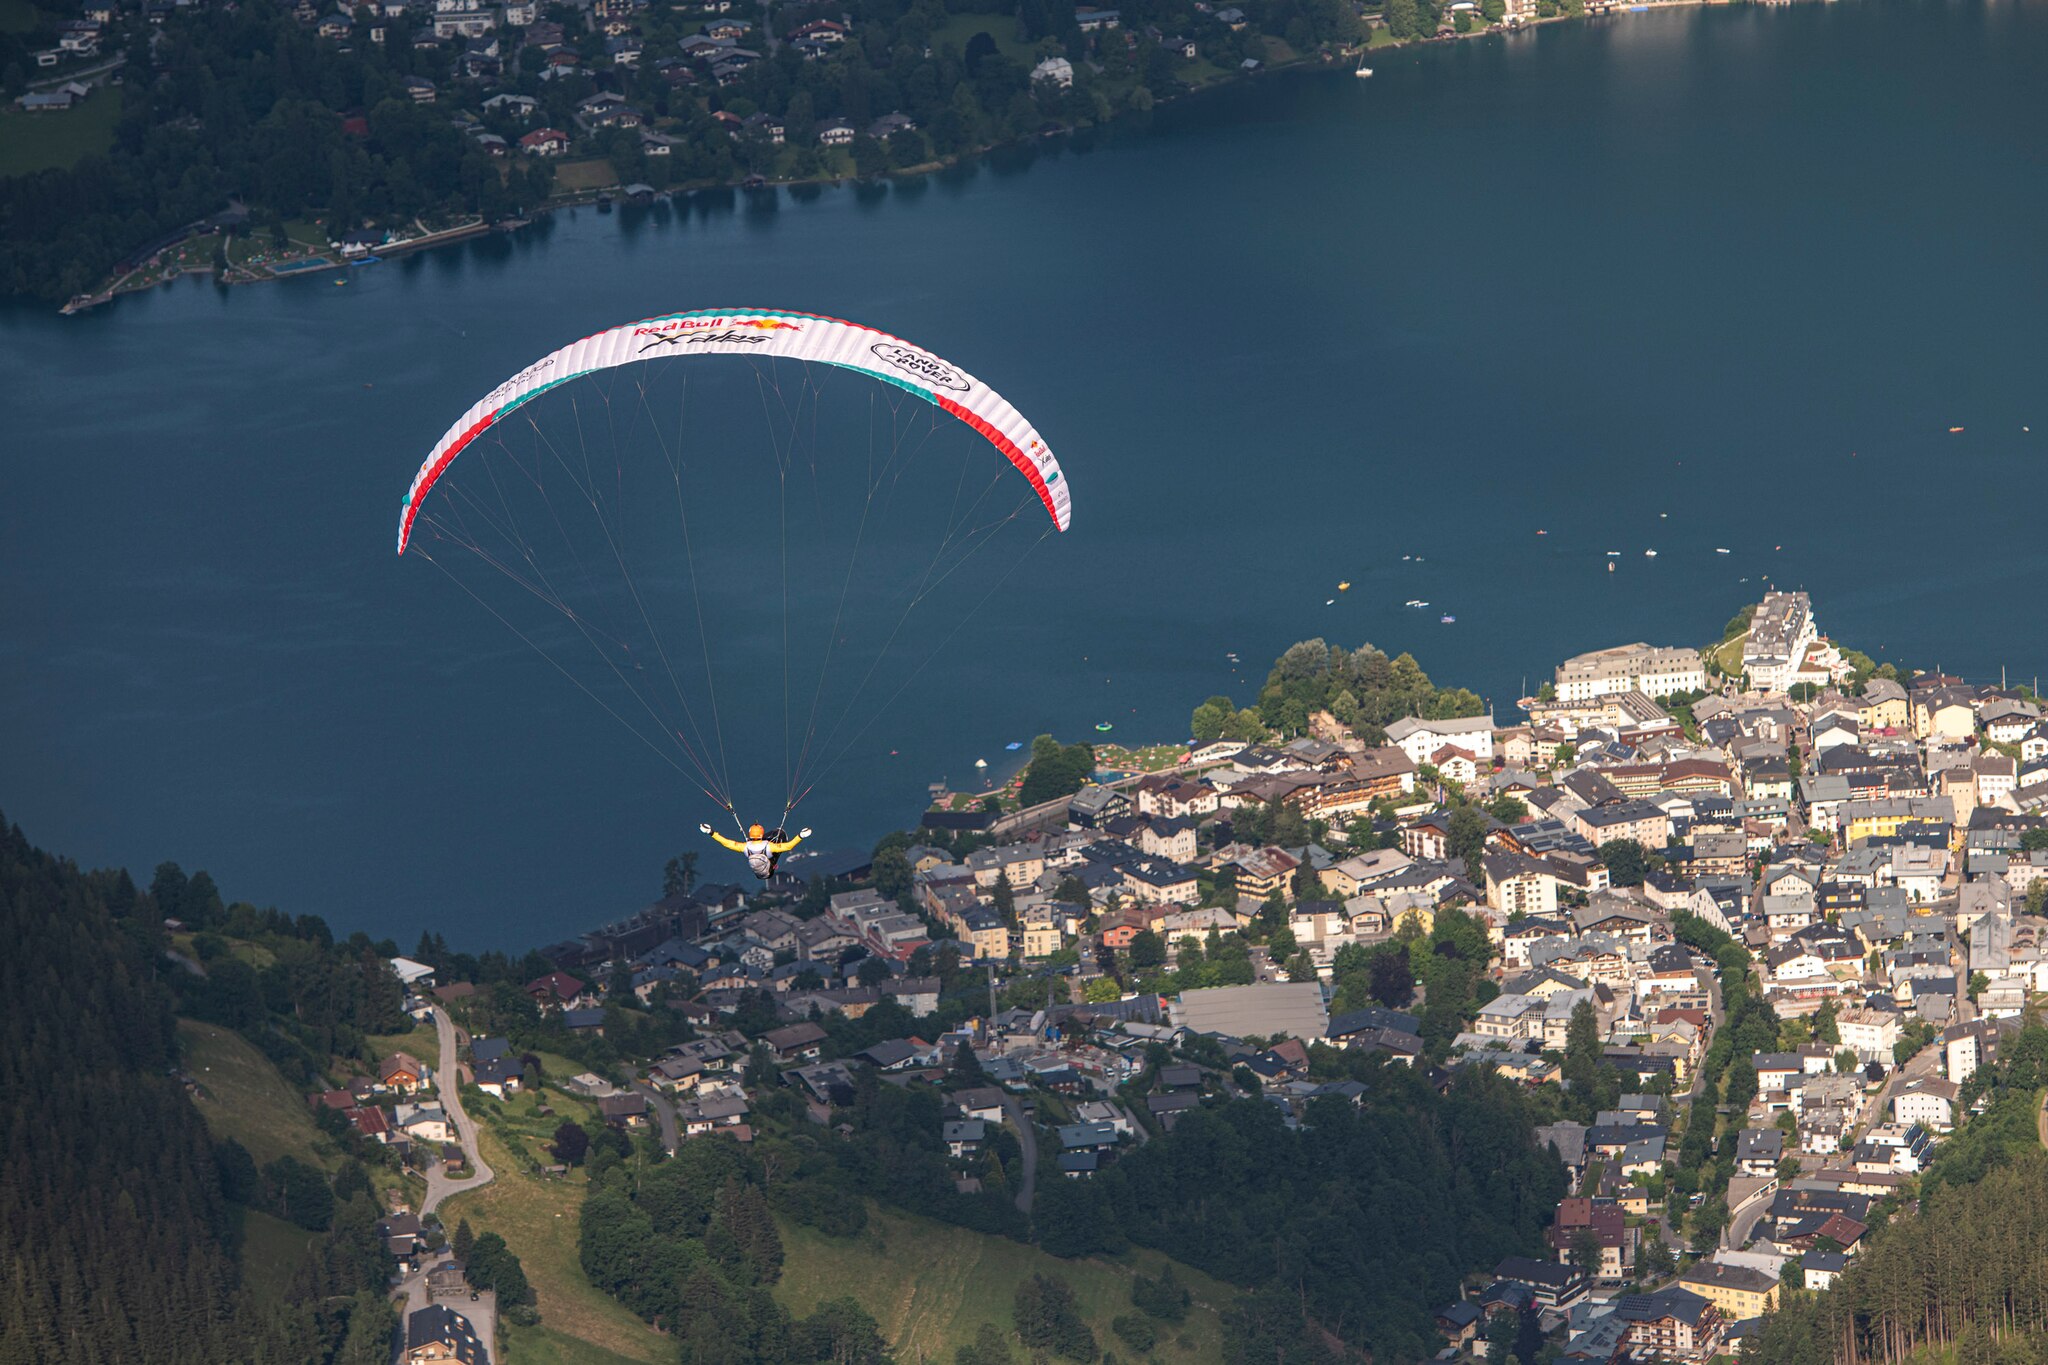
410 1295
1027 1138
664 1115
448 1083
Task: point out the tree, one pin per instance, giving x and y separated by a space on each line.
1505 808
1048 1319
1392 976
1654 1259
371 1323
464 1240
1825 1028
1102 990
842 1332
679 876
1147 950
1979 983
1585 1250
492 1265
1501 1330
989 1347
570 1143
1466 837
1056 770
1624 860
891 871
1164 1298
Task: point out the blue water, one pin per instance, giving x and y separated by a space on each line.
1674 280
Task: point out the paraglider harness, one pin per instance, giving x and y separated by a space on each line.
758 852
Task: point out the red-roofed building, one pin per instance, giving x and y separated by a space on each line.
1843 1230
555 990
544 142
370 1121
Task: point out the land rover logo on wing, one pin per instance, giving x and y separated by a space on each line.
933 372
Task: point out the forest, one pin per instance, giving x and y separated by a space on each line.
1361 1222
691 1245
1362 688
120 1217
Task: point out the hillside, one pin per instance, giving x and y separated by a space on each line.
241 1096
931 1285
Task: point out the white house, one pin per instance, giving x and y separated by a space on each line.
1419 738
1058 70
1928 1101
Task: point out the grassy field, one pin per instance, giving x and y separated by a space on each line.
17 16
241 1096
38 142
272 1250
577 177
538 1218
1151 758
422 1043
543 1345
932 1286
960 28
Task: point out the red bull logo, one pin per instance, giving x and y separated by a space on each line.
668 327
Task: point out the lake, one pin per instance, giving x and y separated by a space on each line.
1671 281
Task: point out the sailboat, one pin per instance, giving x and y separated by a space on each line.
1363 71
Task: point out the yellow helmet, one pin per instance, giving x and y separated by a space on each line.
756 832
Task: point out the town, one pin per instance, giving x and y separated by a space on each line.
1757 919
445 119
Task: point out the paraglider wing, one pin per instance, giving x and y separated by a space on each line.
774 335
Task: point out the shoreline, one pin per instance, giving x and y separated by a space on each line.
155 271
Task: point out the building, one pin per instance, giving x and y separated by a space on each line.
1268 1009
1058 70
1420 738
1778 637
1606 1225
1738 1292
1653 671
1674 1321
439 1333
1519 884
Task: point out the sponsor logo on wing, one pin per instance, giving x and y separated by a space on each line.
930 369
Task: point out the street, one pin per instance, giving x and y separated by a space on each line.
1027 1138
448 1083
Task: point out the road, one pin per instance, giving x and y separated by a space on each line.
664 1115
1751 1206
1027 1138
85 74
448 1082
1714 1021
